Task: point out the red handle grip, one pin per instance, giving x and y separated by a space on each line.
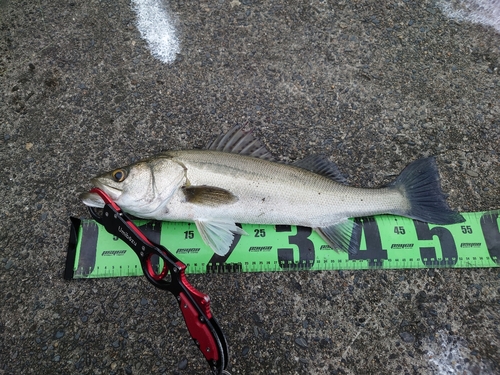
199 330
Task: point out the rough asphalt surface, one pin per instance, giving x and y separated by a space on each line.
372 84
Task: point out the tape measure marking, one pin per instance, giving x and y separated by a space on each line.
386 242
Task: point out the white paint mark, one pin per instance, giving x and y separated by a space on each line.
484 12
156 27
451 355
447 354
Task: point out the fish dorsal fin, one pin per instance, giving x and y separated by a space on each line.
321 165
237 141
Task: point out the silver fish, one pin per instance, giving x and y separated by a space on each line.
235 181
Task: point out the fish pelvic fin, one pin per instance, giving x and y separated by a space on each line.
419 183
218 234
343 236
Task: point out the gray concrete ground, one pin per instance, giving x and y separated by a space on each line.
372 84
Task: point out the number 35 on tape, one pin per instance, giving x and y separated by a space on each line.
387 242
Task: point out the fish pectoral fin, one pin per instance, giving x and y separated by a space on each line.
343 235
208 195
321 165
219 235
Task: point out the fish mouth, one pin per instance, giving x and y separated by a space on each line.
91 200
94 199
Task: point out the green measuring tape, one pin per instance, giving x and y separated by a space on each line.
387 242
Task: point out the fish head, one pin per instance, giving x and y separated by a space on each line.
140 189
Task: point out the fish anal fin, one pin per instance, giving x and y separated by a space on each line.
219 235
321 165
341 236
238 141
208 195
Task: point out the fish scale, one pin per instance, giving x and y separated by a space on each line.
262 198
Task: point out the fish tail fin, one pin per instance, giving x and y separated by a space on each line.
419 183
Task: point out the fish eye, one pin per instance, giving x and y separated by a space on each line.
119 175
